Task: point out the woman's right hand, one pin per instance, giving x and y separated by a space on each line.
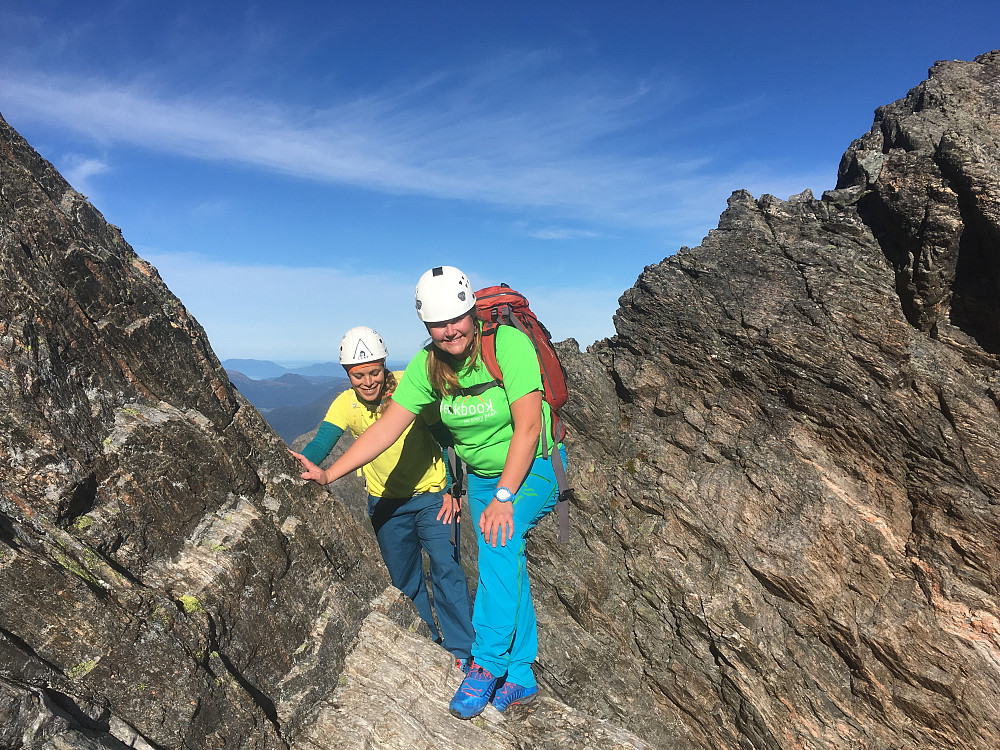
497 522
367 446
312 471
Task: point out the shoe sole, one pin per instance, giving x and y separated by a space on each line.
519 702
457 715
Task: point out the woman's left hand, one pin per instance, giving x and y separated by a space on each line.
451 509
497 520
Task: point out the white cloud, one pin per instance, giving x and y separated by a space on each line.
79 169
213 209
572 148
563 233
283 313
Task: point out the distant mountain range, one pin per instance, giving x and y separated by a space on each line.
291 403
287 390
259 369
292 400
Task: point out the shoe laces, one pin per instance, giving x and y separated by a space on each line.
510 688
476 675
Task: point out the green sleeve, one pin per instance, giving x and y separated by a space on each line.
414 391
320 446
518 363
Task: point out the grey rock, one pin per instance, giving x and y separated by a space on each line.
932 197
161 566
394 694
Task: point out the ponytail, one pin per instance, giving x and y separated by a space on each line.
389 387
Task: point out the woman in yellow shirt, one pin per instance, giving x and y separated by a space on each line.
406 484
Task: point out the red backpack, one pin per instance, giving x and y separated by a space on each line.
501 305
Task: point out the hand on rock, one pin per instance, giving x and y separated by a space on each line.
312 471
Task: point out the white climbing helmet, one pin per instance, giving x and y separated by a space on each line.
444 293
362 344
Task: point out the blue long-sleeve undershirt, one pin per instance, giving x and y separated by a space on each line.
320 446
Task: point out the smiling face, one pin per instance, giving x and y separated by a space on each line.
367 381
454 336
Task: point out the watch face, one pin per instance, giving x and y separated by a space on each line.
503 495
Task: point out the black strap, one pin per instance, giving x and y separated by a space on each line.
475 390
562 503
457 490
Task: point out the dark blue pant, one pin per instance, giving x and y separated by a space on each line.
404 527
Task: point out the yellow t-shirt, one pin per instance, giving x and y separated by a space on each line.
412 464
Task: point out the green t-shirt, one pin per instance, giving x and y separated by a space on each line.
481 425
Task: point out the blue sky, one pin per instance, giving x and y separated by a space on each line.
291 169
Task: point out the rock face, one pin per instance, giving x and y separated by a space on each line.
787 465
789 456
162 574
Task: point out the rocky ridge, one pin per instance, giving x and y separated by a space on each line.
786 459
163 570
789 460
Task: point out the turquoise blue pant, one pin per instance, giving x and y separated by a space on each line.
504 614
403 528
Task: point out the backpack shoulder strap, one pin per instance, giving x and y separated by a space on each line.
488 351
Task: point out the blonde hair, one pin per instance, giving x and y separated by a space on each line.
441 372
389 386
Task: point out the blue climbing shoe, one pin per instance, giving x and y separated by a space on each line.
474 694
463 665
512 693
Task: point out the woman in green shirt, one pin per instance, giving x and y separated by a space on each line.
496 429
